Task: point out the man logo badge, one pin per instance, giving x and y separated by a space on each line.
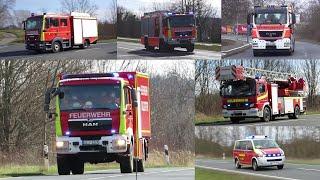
90 124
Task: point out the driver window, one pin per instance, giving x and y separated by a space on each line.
262 88
249 145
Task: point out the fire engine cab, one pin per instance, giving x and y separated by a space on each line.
54 32
257 93
167 30
258 151
272 29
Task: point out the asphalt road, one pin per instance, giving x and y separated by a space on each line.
304 120
97 51
289 172
303 50
130 50
152 173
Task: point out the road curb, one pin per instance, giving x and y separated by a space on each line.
236 50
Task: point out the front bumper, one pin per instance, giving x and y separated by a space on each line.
280 44
108 144
249 113
38 45
270 161
178 42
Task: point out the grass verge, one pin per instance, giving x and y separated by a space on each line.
304 161
107 40
156 160
205 174
202 119
18 32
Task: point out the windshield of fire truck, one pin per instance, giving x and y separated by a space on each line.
271 17
238 88
34 23
182 20
90 97
265 144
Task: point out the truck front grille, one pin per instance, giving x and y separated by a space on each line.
183 34
90 125
270 34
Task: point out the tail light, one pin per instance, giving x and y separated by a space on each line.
254 33
287 33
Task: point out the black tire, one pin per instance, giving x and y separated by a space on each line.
266 114
56 47
255 166
85 44
127 162
296 113
280 166
190 48
63 166
162 46
235 120
237 164
77 166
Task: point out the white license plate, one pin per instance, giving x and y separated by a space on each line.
90 142
270 43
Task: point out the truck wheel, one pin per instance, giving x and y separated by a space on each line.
237 164
77 166
235 120
266 114
56 47
126 162
296 113
85 44
63 166
190 48
255 166
162 46
280 166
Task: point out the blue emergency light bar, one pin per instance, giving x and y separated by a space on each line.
93 75
257 137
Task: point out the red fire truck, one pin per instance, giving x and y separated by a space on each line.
272 29
256 93
167 30
54 32
101 118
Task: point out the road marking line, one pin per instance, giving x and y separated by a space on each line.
230 50
246 173
140 174
309 169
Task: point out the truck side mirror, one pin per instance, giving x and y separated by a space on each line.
61 95
24 25
293 18
47 99
249 17
134 98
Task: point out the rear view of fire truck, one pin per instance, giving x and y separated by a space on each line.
256 93
101 118
54 32
167 30
272 29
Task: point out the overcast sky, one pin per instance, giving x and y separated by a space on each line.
138 6
36 6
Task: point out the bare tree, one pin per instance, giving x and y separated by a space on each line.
5 7
20 16
82 6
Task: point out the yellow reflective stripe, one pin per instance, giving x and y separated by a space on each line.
122 127
262 97
58 118
43 24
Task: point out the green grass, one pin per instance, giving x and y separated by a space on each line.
18 32
304 161
206 174
25 170
202 119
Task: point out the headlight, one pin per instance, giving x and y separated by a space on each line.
119 143
62 144
252 105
